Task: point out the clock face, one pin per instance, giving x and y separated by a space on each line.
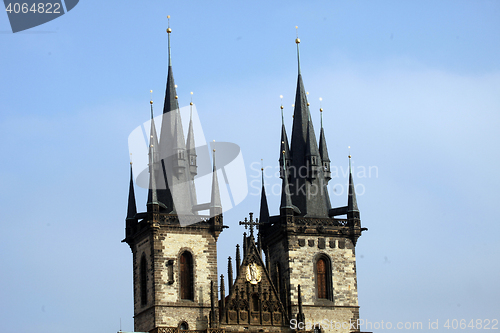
254 274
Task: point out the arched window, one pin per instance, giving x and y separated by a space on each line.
183 326
324 278
186 276
143 280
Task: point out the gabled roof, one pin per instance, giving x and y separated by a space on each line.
253 278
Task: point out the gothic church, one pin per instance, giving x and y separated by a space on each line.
293 268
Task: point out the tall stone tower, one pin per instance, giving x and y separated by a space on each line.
311 253
308 274
174 248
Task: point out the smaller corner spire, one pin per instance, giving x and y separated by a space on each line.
132 208
297 41
284 143
352 205
190 144
169 31
286 200
323 150
264 208
151 103
215 198
238 259
153 159
230 273
321 111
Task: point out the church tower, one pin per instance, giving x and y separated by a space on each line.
174 248
311 253
308 273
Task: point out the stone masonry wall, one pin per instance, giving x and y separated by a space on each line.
164 307
304 252
203 248
143 318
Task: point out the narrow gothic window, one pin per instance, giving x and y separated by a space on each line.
324 278
321 273
277 276
255 302
143 279
186 267
183 326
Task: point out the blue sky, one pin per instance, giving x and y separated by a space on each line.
412 86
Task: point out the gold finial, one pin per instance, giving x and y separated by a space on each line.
175 86
297 40
261 164
151 101
176 96
349 151
191 98
320 108
214 144
168 29
130 158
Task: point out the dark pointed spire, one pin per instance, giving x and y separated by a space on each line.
286 200
169 31
177 195
312 146
244 244
191 154
212 305
222 299
153 162
190 144
284 158
179 149
238 258
297 41
306 190
352 205
323 151
215 203
230 273
171 94
264 209
132 208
